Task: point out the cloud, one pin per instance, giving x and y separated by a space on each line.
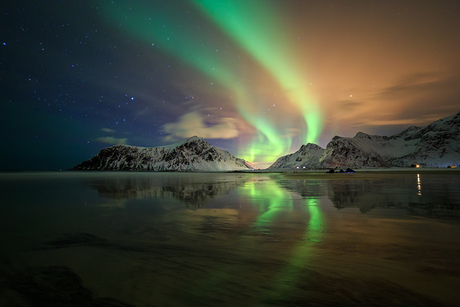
108 130
415 99
111 140
421 98
193 124
414 85
389 122
349 106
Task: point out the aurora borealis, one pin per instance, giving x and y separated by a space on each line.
180 37
256 78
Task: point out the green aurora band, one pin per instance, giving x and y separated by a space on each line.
253 25
172 34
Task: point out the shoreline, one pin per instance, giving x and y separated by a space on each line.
289 172
359 170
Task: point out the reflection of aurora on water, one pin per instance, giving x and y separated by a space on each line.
302 251
270 202
273 203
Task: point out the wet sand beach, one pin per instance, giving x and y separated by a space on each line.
187 239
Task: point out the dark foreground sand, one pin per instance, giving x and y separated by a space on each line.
266 241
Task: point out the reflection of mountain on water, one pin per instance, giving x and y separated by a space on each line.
368 194
421 194
194 193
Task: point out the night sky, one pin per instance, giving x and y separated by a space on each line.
258 78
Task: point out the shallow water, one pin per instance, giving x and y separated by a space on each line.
230 239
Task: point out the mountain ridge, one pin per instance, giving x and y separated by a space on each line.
437 144
189 154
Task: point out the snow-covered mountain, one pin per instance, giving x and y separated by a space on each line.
192 154
307 156
435 145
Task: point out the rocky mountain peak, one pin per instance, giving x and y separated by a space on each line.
362 135
310 146
190 154
306 157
